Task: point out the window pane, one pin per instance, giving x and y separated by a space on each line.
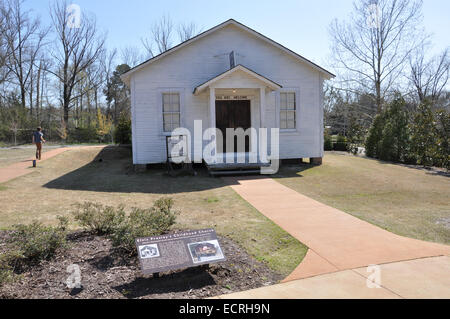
283 124
175 99
175 107
291 101
290 124
283 115
283 100
291 115
167 119
166 98
171 111
167 107
176 120
291 98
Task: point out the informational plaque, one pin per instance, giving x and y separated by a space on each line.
180 250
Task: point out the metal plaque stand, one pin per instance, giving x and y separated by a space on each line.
186 165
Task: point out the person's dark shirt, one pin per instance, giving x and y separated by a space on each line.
38 137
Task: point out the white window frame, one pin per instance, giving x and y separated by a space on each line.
160 97
297 109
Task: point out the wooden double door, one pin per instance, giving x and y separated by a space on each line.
233 114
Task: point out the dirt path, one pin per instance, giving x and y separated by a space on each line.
25 167
337 241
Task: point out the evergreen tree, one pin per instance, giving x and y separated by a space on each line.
117 94
443 136
122 134
375 135
395 137
423 137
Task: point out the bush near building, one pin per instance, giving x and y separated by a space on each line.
122 133
422 140
341 144
335 143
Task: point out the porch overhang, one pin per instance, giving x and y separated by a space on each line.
233 71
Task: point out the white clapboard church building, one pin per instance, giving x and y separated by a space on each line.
229 76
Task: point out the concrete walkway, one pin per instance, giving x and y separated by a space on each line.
25 167
337 241
415 279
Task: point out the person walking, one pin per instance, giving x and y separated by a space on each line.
38 139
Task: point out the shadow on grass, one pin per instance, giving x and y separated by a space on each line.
192 278
112 171
293 170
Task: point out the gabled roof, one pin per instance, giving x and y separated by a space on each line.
271 84
125 76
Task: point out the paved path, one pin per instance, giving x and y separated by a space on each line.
25 167
414 279
337 241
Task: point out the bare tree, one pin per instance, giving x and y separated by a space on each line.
41 84
4 48
38 88
108 64
372 48
25 39
161 37
131 56
108 67
187 31
77 49
429 77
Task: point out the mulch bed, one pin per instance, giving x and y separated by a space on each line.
108 273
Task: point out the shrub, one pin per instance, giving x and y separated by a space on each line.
424 144
6 270
341 144
8 263
328 144
36 242
83 135
443 138
143 223
388 138
394 144
122 133
373 139
98 218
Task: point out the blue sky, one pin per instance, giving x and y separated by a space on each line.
298 24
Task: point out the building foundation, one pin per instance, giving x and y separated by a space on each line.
315 160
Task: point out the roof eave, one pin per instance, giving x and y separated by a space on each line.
126 78
328 75
269 83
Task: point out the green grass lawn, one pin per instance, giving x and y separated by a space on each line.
407 201
78 175
14 155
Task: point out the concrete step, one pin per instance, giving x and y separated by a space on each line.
235 172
